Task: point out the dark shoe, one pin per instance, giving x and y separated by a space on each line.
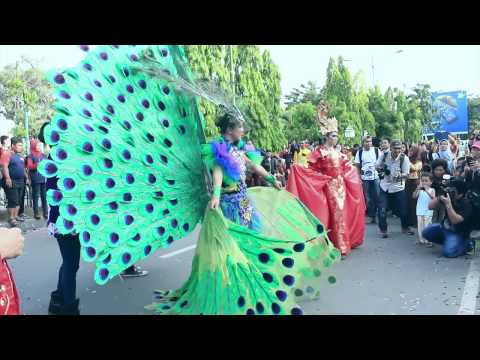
56 303
373 221
20 219
13 223
71 309
384 235
45 216
470 248
134 271
408 232
37 216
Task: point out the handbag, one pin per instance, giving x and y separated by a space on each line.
9 300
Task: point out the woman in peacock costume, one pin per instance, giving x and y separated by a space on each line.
134 175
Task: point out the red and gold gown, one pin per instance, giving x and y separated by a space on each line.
332 189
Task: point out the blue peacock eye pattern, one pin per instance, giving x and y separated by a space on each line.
118 140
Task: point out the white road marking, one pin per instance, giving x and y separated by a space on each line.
175 253
470 291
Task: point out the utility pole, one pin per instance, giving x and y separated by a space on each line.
373 72
27 135
232 73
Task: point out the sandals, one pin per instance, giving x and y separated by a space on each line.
12 223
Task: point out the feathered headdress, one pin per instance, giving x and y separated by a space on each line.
186 83
326 124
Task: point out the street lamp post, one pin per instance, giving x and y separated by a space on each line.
27 135
373 63
20 103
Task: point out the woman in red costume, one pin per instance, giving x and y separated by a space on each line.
331 188
11 246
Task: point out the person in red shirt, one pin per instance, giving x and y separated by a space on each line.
36 179
14 174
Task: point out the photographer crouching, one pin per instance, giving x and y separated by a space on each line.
453 232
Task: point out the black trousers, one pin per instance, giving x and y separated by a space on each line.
14 194
22 200
40 191
398 203
67 276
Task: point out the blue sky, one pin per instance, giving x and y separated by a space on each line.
452 67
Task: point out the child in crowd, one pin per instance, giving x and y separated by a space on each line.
424 193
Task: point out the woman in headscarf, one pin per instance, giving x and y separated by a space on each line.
36 179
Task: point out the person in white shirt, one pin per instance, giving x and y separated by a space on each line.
365 161
395 167
424 194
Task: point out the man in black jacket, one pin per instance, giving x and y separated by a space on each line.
453 233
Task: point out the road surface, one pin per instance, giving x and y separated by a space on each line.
384 276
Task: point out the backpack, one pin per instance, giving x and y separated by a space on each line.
402 159
360 153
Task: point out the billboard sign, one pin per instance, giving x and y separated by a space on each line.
450 111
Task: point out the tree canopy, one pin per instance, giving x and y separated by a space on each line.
249 73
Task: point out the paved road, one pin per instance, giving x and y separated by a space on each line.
384 276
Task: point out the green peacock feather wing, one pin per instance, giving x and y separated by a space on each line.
126 151
239 271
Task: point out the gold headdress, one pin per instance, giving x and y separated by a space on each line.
326 124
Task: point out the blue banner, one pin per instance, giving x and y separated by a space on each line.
450 111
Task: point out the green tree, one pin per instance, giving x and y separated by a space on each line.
300 122
474 113
307 93
348 99
24 86
423 96
361 102
208 62
256 80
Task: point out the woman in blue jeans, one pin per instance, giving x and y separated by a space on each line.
454 231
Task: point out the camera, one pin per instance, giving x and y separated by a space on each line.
470 161
474 198
444 187
384 171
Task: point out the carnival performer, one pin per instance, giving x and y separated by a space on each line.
11 246
232 156
303 155
135 174
331 188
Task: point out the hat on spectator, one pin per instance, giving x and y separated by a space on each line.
396 143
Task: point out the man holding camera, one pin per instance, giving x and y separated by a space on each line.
393 167
454 231
365 161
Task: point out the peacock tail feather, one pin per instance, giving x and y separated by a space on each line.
126 151
239 271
